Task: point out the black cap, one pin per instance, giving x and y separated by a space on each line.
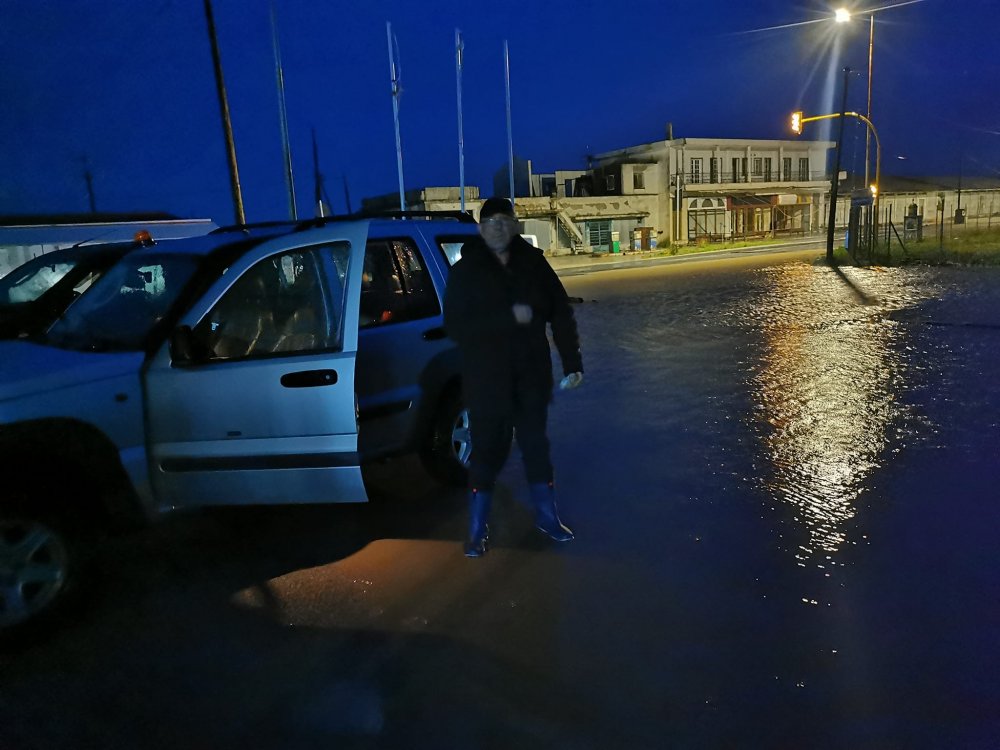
496 206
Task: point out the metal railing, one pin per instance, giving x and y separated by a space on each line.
740 178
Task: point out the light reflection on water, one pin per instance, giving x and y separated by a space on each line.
826 389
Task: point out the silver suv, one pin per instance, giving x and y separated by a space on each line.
255 365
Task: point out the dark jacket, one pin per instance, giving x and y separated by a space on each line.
500 357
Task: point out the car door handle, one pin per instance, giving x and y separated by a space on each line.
433 334
309 378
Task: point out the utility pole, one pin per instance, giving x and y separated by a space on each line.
835 180
227 127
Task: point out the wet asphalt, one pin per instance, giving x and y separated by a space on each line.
783 480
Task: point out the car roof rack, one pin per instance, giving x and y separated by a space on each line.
463 217
256 225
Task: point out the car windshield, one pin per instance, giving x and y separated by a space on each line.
31 280
120 310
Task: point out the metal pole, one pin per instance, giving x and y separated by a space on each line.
868 114
888 237
459 49
871 131
941 227
835 180
510 136
283 116
396 90
321 208
89 178
961 161
227 127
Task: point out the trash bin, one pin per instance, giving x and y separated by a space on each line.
616 245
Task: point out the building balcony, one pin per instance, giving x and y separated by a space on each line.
728 182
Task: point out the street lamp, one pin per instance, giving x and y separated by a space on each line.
842 15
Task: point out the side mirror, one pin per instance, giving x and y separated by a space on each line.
182 346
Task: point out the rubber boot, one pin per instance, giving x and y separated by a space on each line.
479 513
543 496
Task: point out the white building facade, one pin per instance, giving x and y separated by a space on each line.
715 190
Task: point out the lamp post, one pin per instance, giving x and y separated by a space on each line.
868 113
842 15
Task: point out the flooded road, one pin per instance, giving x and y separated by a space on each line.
816 453
783 481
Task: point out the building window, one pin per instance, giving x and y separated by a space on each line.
804 168
638 180
737 173
696 170
713 166
767 169
786 168
610 182
758 167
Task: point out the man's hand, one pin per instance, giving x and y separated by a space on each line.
522 314
571 381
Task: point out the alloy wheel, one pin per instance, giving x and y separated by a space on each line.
34 562
461 438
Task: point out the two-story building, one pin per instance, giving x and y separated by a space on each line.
715 189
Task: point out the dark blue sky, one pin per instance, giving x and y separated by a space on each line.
127 85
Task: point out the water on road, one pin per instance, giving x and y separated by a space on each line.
806 462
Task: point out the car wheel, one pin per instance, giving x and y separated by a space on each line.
448 450
38 571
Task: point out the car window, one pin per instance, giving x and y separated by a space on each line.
122 307
452 250
396 285
32 282
279 306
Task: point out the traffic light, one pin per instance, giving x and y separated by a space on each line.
797 123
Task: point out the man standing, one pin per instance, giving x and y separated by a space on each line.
500 297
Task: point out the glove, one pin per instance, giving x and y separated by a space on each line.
571 381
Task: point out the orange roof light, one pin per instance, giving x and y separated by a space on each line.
143 237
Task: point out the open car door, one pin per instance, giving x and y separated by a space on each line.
264 410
